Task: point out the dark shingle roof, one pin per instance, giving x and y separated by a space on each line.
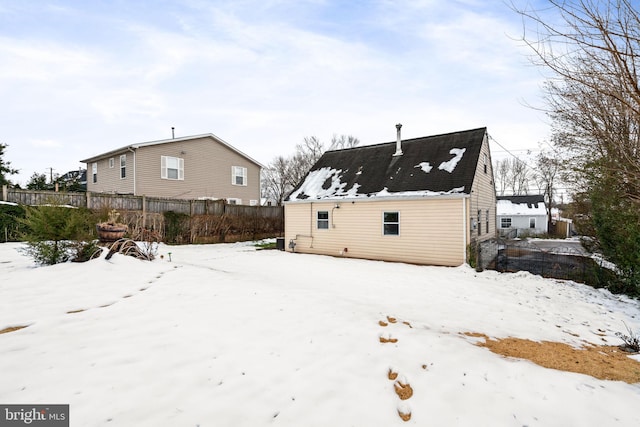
529 200
439 164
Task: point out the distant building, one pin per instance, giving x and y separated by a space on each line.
192 167
75 180
519 216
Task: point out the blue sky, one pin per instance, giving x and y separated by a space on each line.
78 78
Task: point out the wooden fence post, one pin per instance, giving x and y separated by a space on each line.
5 193
144 212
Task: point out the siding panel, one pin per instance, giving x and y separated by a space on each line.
430 230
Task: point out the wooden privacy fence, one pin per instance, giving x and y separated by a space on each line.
179 220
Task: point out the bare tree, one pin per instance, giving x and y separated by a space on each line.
343 141
501 171
594 93
592 50
284 173
276 182
546 176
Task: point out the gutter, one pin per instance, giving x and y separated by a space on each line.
464 230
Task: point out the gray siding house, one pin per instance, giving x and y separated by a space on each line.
521 216
191 167
421 200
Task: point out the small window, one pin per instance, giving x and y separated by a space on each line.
94 172
532 223
487 220
123 166
505 222
238 175
391 223
323 220
479 222
112 162
171 168
485 163
233 201
253 202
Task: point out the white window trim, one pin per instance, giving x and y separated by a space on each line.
123 166
234 201
94 172
505 218
112 162
164 169
234 175
535 223
389 222
323 220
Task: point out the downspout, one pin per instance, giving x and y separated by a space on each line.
311 223
464 230
134 169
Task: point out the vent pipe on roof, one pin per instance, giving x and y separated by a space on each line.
398 141
173 133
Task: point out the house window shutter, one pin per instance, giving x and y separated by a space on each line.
180 168
163 167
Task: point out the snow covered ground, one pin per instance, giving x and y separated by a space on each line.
226 335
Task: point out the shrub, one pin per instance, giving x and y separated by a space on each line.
52 233
10 226
176 227
631 341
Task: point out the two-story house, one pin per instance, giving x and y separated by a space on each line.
190 167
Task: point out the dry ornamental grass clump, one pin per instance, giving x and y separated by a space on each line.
599 361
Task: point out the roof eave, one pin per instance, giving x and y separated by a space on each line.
380 198
167 141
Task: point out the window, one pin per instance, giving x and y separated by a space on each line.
112 162
238 175
323 220
253 202
391 223
505 222
487 220
171 168
532 223
233 201
123 166
485 163
94 172
479 222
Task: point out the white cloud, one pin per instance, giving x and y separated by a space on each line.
260 75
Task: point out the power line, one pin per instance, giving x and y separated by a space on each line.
510 153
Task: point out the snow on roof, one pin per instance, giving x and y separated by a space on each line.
374 171
450 165
425 166
507 207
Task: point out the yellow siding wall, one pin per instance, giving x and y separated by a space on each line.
483 197
431 230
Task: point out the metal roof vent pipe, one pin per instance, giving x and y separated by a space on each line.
398 141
